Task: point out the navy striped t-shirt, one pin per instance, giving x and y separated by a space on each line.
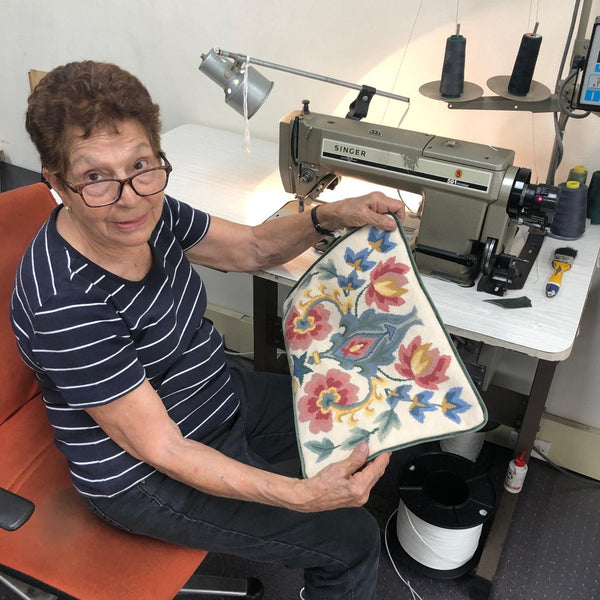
92 337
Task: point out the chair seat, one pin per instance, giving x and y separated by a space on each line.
65 544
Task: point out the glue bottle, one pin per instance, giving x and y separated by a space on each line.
515 475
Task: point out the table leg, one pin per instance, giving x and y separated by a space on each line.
536 403
494 544
264 293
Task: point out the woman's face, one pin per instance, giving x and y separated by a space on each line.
115 153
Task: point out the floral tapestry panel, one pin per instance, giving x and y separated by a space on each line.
369 355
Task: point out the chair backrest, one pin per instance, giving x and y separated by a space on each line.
22 212
63 544
35 77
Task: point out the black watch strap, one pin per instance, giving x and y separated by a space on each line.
320 229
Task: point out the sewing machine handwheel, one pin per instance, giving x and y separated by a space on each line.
489 253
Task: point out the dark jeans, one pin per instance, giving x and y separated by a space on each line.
338 550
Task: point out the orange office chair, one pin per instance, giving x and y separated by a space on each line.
49 540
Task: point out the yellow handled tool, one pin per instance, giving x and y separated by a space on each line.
563 260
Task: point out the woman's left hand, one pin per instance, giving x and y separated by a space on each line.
371 209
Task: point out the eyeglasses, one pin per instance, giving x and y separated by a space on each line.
96 194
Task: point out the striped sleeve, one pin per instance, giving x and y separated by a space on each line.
86 352
188 225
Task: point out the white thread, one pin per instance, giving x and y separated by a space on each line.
246 143
432 546
400 69
414 594
467 445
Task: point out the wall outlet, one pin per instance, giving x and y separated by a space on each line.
544 446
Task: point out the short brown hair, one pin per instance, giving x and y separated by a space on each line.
86 95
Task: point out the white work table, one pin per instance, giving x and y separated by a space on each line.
547 329
213 173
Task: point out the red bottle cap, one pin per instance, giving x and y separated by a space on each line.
520 460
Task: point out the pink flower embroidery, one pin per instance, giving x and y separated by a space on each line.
325 394
422 363
357 347
301 331
386 288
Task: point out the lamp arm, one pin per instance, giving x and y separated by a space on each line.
263 63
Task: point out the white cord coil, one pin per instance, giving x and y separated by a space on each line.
432 546
467 445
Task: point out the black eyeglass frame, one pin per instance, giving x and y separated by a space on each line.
77 189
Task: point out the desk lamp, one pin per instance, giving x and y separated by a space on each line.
230 70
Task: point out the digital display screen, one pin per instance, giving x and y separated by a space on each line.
589 89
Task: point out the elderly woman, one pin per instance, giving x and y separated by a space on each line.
162 438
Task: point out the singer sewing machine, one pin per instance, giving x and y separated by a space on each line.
474 198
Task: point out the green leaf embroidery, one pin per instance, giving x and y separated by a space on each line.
357 435
328 270
322 449
387 421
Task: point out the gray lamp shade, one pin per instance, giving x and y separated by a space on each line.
229 75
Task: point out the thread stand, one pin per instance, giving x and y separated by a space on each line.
537 91
550 105
471 91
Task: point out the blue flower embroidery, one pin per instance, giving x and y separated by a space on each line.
420 405
380 240
358 260
453 404
351 282
299 367
402 392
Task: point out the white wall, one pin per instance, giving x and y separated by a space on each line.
394 45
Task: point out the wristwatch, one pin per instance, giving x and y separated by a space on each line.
320 229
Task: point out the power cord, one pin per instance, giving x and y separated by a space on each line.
234 353
592 482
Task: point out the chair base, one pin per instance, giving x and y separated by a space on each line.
197 586
25 590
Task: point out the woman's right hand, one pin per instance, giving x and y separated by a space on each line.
344 484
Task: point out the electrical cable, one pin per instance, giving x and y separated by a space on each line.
563 59
234 353
559 148
592 482
565 109
557 153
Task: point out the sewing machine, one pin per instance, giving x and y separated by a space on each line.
474 198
